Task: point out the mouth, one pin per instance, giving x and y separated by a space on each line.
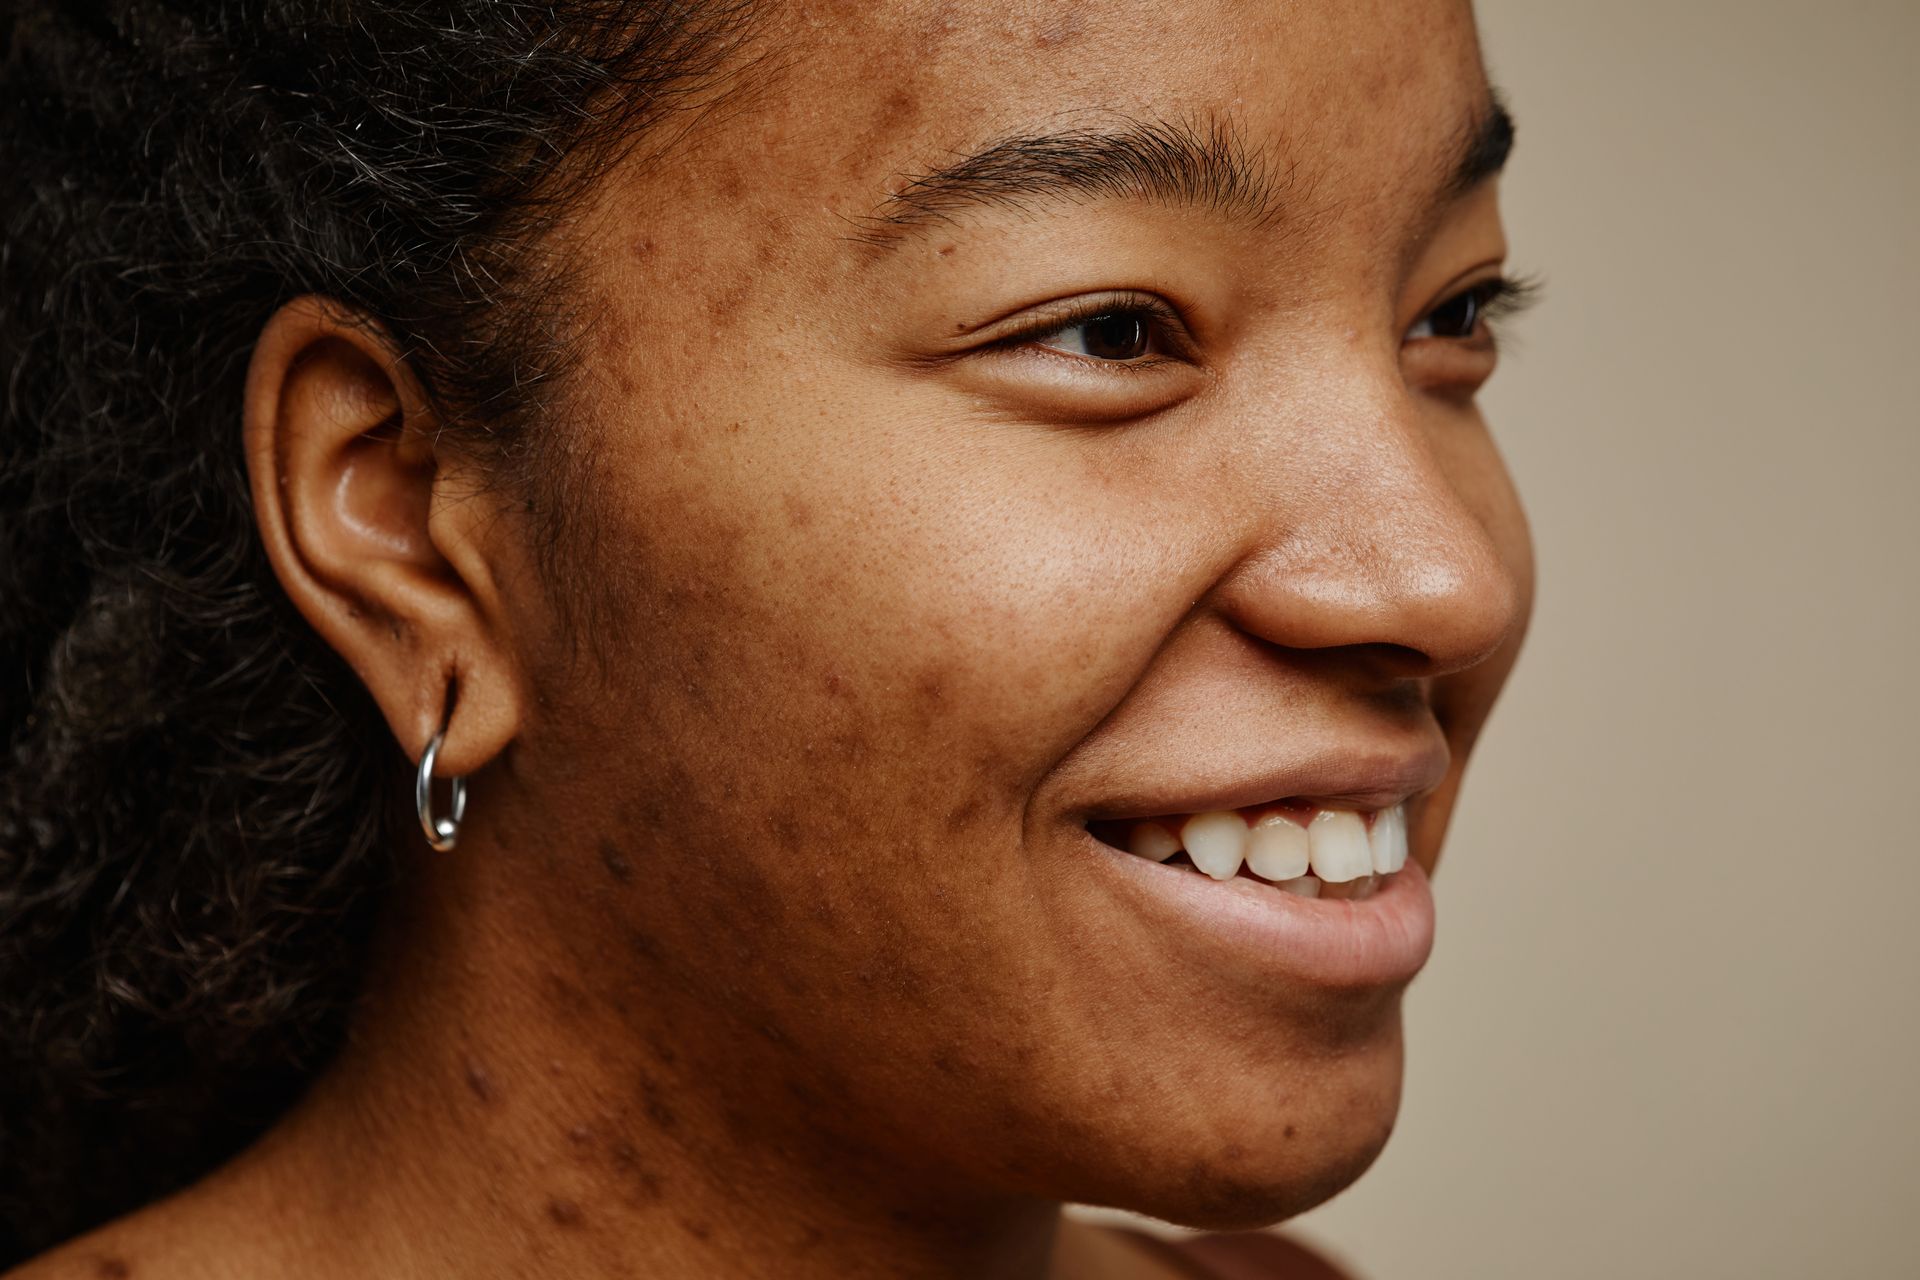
1285 894
1299 848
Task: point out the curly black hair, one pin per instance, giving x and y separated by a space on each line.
193 799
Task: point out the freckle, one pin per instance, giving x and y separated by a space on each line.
564 1212
616 862
479 1081
1288 1131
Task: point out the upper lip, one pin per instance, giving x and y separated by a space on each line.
1354 776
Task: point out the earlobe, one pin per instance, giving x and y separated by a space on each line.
352 495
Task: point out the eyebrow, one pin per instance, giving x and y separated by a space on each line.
1167 163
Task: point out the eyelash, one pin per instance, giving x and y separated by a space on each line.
1494 302
1164 324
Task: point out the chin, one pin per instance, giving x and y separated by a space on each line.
1266 1153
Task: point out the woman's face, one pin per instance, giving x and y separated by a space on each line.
896 572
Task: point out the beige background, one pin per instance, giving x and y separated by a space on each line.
1671 1027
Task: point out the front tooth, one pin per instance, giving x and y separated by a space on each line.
1389 840
1337 845
1153 841
1277 848
1216 842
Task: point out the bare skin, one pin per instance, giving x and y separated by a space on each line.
770 948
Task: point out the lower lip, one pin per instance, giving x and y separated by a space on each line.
1376 941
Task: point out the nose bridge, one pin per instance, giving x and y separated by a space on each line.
1380 546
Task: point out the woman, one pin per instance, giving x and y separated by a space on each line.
947 551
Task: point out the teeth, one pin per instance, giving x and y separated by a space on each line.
1216 842
1303 886
1388 840
1337 846
1277 848
1153 841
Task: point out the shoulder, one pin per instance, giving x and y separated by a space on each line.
1244 1255
1260 1255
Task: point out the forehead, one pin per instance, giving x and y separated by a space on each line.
1355 108
1326 90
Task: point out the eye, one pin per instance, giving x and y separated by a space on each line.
1467 314
1111 335
1110 331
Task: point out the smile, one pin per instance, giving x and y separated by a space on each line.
1300 849
1283 892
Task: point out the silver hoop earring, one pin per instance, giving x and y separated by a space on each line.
442 833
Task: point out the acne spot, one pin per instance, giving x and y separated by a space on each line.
616 862
946 250
799 511
643 247
564 1213
662 1116
644 946
651 1185
836 685
479 1081
1234 1151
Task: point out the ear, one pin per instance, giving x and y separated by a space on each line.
379 533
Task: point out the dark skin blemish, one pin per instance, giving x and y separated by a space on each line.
112 1269
565 1213
617 864
479 1081
663 1117
698 1230
643 945
1288 1132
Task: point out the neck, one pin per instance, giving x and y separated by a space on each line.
504 1108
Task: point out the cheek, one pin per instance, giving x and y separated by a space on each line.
870 605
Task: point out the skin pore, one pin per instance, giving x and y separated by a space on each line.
775 943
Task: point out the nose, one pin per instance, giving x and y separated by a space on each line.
1384 549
